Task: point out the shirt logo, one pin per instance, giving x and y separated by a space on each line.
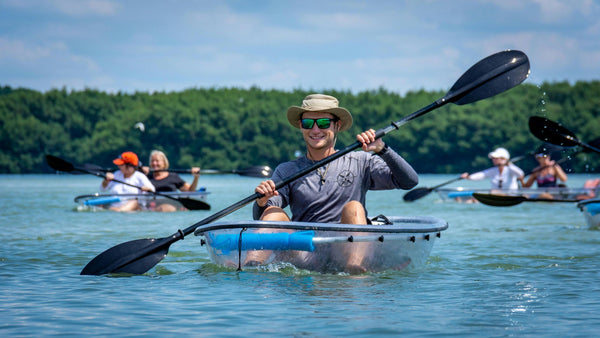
345 178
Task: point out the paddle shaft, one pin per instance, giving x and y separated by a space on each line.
203 171
254 171
445 183
185 171
583 145
259 171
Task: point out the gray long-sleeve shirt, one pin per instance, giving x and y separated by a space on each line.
319 196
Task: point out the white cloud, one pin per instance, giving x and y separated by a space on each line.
553 11
85 7
20 52
67 7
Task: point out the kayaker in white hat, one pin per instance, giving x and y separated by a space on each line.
336 192
503 175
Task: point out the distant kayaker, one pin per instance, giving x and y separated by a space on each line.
548 173
336 192
164 180
503 175
127 163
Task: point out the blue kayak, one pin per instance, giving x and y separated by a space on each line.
591 212
147 201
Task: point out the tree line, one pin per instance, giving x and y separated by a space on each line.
231 128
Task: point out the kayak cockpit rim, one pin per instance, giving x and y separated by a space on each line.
420 224
190 194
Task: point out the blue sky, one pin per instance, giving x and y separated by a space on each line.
174 45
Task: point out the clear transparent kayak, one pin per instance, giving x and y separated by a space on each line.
147 201
591 212
465 195
389 243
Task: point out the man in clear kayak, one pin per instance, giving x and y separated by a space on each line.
336 192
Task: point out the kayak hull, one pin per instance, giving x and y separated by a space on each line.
465 195
591 212
323 247
147 202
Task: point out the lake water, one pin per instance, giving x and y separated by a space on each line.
528 270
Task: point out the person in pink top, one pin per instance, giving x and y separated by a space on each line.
547 174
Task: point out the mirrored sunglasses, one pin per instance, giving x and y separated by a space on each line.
321 123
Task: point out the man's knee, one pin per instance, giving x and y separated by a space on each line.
354 213
274 214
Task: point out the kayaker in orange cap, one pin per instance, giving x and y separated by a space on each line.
127 163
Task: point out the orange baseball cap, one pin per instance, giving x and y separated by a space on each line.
127 157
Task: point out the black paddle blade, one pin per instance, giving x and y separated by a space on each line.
493 75
508 200
416 194
521 157
260 171
130 253
59 164
192 204
594 143
552 132
499 200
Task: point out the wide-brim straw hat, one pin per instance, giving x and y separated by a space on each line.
320 103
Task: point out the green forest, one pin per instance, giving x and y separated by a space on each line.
231 128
